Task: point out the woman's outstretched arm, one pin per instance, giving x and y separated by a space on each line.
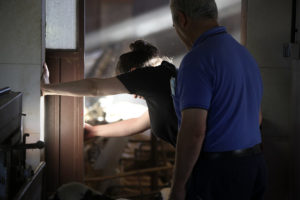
85 87
119 129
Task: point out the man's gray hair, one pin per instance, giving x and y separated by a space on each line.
196 9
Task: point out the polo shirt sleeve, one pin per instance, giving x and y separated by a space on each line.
195 84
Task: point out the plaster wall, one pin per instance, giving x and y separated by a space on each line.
21 58
268 29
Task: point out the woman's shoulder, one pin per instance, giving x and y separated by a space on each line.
168 68
168 65
164 67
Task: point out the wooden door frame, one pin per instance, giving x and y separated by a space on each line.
244 13
64 115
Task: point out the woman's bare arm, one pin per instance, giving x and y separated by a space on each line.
85 87
120 129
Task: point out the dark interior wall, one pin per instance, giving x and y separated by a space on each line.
140 7
104 13
92 14
296 104
132 15
268 29
114 12
101 13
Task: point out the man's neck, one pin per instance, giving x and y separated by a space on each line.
200 27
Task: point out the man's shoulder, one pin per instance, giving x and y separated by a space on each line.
197 53
195 58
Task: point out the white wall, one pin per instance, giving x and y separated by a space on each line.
21 58
230 16
269 27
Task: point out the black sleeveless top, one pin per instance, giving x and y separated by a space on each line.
153 83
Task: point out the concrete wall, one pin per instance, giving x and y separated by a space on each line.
296 126
142 7
21 58
268 28
296 110
114 12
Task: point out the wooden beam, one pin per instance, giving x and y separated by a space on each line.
135 172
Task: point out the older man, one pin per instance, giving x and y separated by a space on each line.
217 99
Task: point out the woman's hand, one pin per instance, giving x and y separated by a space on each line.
44 78
89 131
45 75
138 97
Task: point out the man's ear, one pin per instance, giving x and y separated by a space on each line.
182 19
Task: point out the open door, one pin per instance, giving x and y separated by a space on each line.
64 115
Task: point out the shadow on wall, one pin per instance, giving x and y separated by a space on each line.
146 26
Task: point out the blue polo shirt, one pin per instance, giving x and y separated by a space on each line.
221 76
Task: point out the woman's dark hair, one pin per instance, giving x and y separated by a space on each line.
141 52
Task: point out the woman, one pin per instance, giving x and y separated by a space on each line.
139 77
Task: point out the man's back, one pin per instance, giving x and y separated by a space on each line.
220 75
217 102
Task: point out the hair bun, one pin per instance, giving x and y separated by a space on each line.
144 46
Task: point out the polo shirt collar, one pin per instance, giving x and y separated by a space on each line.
211 32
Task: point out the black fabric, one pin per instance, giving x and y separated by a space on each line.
153 83
90 195
231 154
228 179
